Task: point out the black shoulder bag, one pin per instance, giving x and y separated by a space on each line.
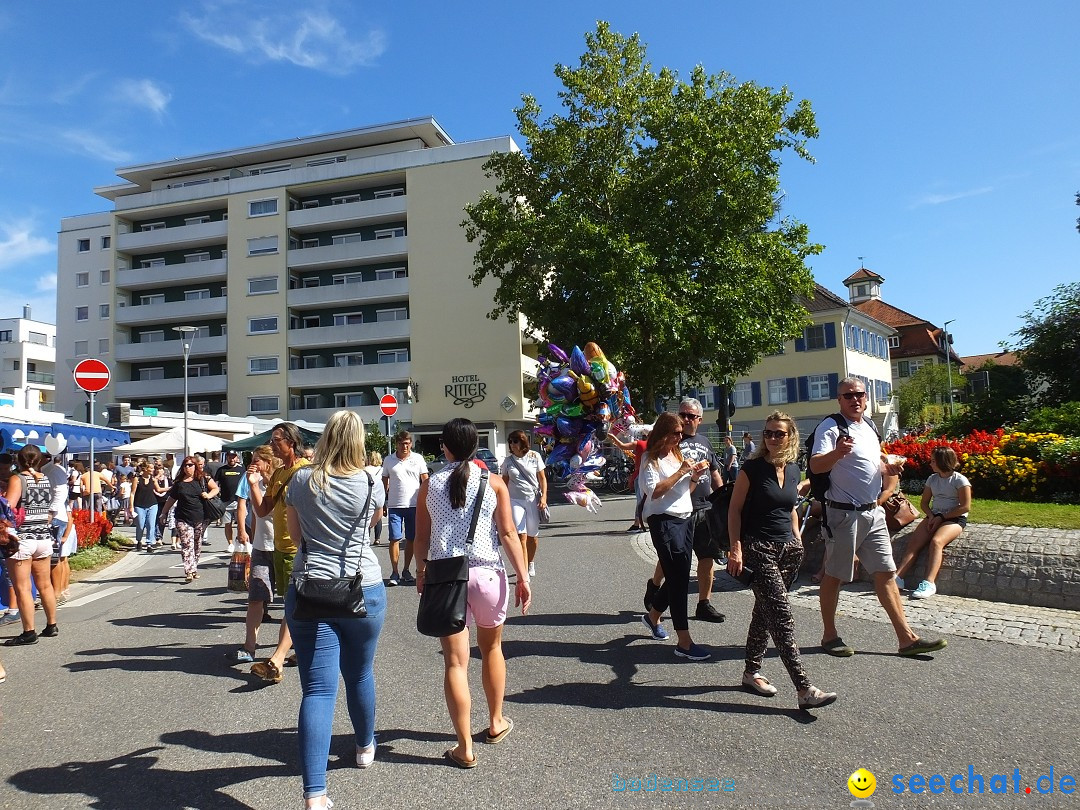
336 597
213 508
446 584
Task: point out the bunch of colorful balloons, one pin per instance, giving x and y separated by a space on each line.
581 398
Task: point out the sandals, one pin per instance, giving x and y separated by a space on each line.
494 739
838 648
464 764
757 683
267 670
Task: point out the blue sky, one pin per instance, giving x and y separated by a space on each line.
949 152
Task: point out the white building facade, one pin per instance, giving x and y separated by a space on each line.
27 363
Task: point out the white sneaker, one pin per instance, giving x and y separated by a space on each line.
365 756
925 590
532 569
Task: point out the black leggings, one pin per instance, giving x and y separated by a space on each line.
674 547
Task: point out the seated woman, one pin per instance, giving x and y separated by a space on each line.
946 501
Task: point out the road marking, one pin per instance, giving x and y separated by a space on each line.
93 597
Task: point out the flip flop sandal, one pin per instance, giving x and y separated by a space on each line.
267 670
493 739
458 761
838 648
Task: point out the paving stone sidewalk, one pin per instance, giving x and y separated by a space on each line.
1026 625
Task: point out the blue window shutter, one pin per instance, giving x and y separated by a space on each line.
847 338
804 389
830 335
800 343
834 381
755 393
716 398
690 392
792 390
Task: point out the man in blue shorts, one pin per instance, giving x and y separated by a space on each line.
402 474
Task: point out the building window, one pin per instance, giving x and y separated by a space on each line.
82 279
390 273
5 336
262 285
862 290
262 208
39 338
396 314
349 278
198 370
344 360
778 392
196 295
82 348
201 408
894 342
394 356
389 233
157 373
106 242
103 346
157 336
147 300
201 256
344 199
743 395
84 246
309 243
258 326
262 365
389 192
346 239
815 337
105 276
82 313
819 386
284 167
349 319
262 246
311 361
263 404
903 368
348 400
201 220
103 310
152 226
147 263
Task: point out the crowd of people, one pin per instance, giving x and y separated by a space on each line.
314 515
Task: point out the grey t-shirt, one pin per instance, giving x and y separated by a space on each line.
332 525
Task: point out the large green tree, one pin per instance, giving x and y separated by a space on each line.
1048 345
924 396
645 216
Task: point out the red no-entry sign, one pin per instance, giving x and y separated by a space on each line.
92 375
388 405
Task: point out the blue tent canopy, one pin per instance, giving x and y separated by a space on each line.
15 434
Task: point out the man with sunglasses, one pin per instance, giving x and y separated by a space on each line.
852 456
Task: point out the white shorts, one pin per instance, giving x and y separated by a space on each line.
33 547
526 516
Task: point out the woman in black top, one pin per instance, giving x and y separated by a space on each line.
188 492
764 530
143 503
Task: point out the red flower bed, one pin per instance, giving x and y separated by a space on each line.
919 450
90 533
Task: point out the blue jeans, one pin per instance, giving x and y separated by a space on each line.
145 521
323 649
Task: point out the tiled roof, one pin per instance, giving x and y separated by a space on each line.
890 315
862 273
824 300
999 358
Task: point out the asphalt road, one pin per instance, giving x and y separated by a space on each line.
134 704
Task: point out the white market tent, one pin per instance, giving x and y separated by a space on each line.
172 441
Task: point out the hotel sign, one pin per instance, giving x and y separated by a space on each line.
466 390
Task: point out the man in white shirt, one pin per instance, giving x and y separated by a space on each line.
402 475
855 522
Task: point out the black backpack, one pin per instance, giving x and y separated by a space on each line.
819 482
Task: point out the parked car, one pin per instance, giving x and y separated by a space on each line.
482 453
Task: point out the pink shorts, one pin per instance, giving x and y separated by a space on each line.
33 547
489 594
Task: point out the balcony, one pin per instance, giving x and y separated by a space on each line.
184 236
375 373
171 387
170 275
172 311
363 292
372 250
366 412
358 334
41 377
170 349
368 212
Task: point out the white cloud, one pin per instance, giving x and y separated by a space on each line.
144 93
46 282
95 146
18 243
308 38
938 199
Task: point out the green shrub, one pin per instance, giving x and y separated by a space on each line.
1063 420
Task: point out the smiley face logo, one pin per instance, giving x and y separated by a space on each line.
862 784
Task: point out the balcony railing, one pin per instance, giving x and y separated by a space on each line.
183 236
363 292
351 253
367 212
366 412
170 275
172 311
42 377
357 334
375 373
170 349
172 387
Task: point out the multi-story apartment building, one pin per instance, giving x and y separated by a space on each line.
915 343
27 363
801 377
319 273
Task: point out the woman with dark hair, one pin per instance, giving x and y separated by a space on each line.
330 505
667 479
187 493
763 527
143 503
444 514
31 490
523 472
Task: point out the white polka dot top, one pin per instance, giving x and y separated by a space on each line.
450 527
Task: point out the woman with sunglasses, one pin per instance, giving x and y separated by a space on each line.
188 493
523 473
763 526
667 479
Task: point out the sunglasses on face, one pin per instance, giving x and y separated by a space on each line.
189 463
678 434
853 394
774 434
689 416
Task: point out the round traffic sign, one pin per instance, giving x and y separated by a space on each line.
92 375
388 405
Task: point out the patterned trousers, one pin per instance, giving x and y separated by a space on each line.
190 544
775 565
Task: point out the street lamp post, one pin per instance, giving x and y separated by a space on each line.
187 334
948 362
